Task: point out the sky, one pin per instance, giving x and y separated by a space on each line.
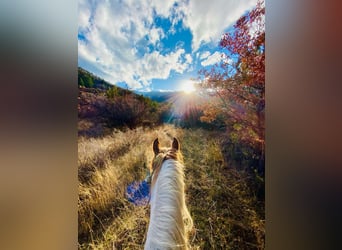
153 45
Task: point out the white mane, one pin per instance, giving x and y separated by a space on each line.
170 219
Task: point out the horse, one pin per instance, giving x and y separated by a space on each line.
170 220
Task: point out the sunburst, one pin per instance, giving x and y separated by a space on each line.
188 87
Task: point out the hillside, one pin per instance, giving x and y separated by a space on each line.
88 79
102 107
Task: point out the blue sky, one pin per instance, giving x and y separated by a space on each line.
153 44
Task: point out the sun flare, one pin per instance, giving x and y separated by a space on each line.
188 87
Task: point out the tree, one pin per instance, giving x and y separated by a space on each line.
237 85
88 81
81 82
112 92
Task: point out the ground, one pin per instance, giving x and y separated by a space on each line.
222 202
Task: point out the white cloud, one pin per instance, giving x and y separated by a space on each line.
204 55
155 35
155 65
188 58
212 59
164 90
84 14
162 7
208 19
83 52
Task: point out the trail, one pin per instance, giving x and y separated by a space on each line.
218 197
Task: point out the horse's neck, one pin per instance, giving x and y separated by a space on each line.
168 181
166 226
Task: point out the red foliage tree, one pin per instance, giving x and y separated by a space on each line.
237 85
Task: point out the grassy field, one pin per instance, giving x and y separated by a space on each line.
223 205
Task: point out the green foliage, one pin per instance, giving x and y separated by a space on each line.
88 81
164 113
81 82
112 92
152 105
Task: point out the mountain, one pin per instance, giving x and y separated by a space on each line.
159 96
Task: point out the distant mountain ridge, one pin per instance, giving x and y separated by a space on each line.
159 96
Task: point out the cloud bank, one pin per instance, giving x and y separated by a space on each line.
120 39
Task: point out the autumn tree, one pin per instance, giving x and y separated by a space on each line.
236 86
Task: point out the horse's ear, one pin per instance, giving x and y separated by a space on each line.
156 146
175 144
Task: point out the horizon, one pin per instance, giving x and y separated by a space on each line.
154 46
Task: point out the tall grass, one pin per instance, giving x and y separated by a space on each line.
223 207
219 198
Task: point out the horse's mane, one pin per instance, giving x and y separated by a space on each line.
170 219
163 155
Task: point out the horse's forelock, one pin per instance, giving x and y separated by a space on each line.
163 155
166 154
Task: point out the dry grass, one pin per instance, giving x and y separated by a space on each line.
218 197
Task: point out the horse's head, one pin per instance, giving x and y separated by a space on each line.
167 153
163 154
174 146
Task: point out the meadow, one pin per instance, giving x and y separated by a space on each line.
221 199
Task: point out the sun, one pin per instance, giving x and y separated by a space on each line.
188 87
